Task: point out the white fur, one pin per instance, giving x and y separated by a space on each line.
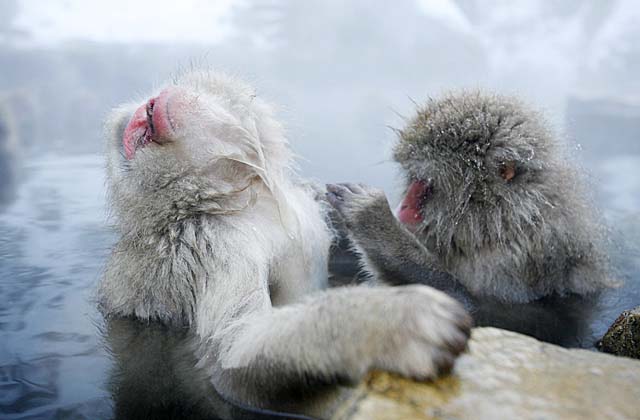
218 234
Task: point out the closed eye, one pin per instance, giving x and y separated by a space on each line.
118 133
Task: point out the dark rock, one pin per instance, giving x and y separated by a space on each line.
623 337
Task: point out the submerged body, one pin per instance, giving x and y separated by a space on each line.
218 235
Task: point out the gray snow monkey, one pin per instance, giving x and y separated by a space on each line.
493 207
218 235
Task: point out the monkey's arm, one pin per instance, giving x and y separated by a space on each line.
259 351
390 253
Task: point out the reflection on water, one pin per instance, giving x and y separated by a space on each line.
8 159
52 241
59 359
154 377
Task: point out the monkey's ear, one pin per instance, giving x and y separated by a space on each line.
508 170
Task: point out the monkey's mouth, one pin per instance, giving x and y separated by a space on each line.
149 124
411 209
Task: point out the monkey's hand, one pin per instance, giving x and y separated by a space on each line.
382 242
360 207
434 331
344 332
389 252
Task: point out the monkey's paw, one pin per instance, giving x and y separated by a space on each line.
359 204
434 331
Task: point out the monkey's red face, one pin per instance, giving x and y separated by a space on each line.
411 210
203 123
151 123
203 133
188 123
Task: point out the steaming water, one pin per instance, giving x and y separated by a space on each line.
52 243
54 359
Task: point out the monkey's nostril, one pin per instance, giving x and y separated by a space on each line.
149 110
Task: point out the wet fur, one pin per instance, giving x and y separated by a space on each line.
517 240
514 240
219 235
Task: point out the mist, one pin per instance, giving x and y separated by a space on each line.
341 74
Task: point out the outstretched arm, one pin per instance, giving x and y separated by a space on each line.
389 252
332 336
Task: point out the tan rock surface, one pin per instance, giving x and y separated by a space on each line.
506 375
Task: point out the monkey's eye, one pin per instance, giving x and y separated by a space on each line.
508 170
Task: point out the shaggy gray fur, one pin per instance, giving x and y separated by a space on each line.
218 235
516 240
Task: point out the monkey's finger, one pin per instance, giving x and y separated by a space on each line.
335 200
355 188
333 197
339 190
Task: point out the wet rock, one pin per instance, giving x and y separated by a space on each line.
506 375
623 337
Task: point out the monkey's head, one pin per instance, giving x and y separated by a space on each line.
203 144
482 172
